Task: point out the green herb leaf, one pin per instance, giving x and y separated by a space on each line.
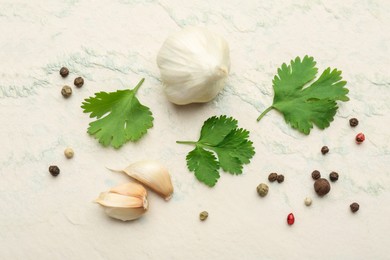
231 144
304 105
120 116
204 164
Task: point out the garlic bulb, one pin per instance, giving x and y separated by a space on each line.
194 64
152 174
125 202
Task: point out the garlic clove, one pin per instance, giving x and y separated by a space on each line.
125 202
130 189
125 214
152 174
109 199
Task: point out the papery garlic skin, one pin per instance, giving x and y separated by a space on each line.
125 202
153 175
194 64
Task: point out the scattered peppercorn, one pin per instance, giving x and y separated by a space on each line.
262 189
321 186
66 91
325 149
308 201
316 175
54 170
78 82
333 176
280 178
272 177
64 72
360 138
203 215
68 152
354 207
353 122
290 219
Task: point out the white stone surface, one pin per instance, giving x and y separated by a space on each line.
112 44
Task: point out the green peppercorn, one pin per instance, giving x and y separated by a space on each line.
64 72
262 189
78 82
54 170
203 215
66 91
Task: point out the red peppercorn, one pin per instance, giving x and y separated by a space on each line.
360 138
290 219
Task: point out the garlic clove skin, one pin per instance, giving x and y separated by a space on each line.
125 202
153 175
194 64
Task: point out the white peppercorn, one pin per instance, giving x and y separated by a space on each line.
68 152
308 201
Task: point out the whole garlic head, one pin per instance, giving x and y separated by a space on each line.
125 202
194 64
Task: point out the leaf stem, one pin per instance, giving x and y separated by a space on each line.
186 142
264 112
139 85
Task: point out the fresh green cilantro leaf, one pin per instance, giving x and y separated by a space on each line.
204 164
219 135
120 116
304 105
214 131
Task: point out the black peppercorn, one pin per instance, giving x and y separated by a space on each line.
54 170
78 82
354 207
280 178
333 176
321 187
316 175
353 122
272 177
66 91
324 149
64 72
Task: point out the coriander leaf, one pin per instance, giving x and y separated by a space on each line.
120 116
231 144
215 129
302 106
238 145
204 164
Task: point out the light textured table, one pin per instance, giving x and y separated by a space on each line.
113 44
